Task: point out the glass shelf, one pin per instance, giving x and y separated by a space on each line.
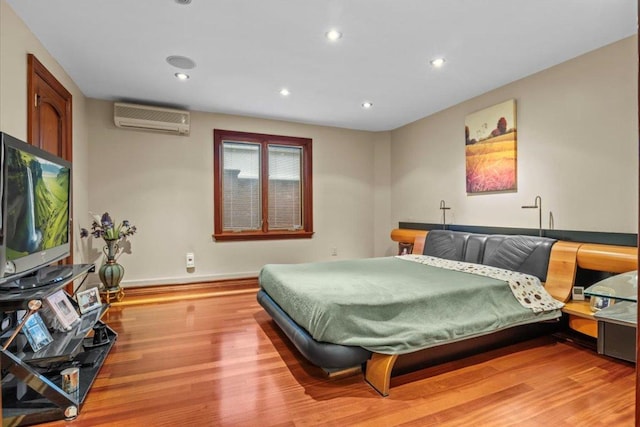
623 287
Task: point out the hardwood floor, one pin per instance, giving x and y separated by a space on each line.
221 361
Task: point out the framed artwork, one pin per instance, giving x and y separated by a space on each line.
89 300
36 332
491 149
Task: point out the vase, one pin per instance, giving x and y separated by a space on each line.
111 272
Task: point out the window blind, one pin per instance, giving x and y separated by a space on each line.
285 171
241 186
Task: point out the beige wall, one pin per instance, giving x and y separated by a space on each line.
383 246
16 41
164 185
577 149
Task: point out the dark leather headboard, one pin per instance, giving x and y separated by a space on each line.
455 245
446 244
475 248
526 254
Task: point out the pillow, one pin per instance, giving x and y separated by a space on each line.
525 254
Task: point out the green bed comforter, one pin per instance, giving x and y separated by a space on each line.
392 306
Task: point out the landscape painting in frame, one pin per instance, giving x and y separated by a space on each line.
491 149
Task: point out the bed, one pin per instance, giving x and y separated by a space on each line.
456 294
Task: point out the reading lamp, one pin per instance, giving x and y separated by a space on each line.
538 205
444 208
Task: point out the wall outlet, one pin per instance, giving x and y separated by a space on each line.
334 251
191 261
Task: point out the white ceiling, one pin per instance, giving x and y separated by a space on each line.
247 50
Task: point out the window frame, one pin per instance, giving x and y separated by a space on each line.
306 196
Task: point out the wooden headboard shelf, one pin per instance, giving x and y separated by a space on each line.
405 235
609 258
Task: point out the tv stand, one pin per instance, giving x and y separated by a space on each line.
43 277
31 381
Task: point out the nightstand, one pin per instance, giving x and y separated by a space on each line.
614 301
617 330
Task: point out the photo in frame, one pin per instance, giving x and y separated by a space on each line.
36 332
491 152
598 303
601 297
89 320
405 248
88 300
65 312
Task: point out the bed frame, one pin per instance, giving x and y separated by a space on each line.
564 261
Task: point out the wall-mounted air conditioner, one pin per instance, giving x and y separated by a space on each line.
143 117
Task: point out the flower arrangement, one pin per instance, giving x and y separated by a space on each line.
110 272
103 227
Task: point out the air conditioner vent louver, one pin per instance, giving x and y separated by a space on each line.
144 117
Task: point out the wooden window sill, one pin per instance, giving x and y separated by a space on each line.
279 235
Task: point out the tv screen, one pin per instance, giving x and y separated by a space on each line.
36 200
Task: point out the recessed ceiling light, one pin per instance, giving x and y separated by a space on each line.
182 76
333 35
437 62
285 92
181 62
183 1
366 105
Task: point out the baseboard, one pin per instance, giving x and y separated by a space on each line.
208 286
182 280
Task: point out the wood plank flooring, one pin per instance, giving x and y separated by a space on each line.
221 361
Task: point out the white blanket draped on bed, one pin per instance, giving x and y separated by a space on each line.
526 288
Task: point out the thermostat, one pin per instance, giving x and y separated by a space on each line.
577 293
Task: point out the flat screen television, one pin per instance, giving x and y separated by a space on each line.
34 214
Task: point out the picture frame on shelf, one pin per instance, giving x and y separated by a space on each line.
63 309
598 303
88 300
89 319
602 298
405 248
36 332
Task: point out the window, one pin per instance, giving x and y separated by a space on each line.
262 186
